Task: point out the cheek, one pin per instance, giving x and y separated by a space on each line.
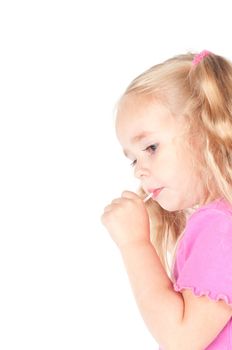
165 165
187 175
179 169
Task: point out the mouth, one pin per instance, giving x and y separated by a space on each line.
155 192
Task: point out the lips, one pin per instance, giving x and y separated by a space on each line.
155 191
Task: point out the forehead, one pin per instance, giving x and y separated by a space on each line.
143 114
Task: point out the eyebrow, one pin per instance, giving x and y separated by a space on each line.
138 138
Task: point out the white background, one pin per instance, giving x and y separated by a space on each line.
63 66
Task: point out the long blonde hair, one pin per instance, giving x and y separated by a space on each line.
203 94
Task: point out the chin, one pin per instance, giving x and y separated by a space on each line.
170 206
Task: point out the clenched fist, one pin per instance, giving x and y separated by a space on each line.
126 219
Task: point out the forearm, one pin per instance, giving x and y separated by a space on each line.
161 307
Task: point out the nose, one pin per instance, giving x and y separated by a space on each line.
141 171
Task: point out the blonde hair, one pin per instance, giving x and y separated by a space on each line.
203 94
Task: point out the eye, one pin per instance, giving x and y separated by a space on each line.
151 148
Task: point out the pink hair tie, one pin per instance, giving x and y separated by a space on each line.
199 57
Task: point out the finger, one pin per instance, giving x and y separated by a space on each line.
108 208
116 201
130 195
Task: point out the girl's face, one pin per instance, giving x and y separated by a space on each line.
155 142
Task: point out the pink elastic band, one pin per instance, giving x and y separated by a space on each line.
199 57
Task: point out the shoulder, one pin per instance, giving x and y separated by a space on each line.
213 217
220 207
208 231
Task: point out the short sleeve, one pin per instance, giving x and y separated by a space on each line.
205 256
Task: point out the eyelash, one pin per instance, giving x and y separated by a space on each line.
151 148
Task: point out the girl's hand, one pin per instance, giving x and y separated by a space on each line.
127 220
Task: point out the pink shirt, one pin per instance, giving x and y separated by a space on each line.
203 261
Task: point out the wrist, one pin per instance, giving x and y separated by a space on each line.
135 245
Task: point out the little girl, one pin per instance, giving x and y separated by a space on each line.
174 122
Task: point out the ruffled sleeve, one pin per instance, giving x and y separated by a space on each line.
204 259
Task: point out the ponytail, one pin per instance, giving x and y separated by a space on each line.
211 105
